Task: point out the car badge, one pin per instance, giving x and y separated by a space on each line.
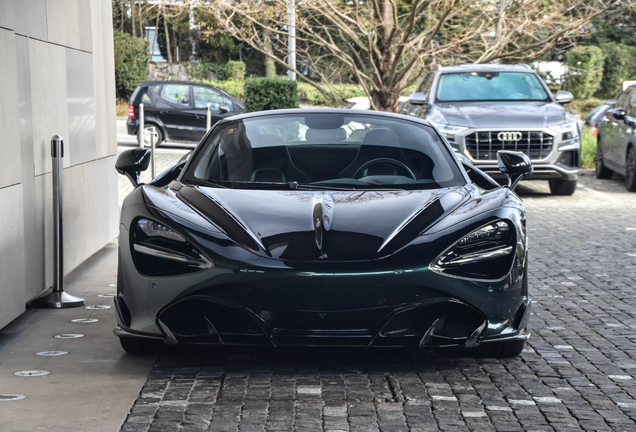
509 136
322 215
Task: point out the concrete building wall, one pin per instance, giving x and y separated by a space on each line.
56 77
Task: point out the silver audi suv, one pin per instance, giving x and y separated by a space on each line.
481 109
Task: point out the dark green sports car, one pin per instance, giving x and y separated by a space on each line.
324 228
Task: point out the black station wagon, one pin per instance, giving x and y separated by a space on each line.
177 110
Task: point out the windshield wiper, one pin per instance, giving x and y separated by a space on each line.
308 186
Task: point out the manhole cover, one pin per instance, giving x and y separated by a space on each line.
98 307
51 353
11 397
31 373
84 320
68 336
106 295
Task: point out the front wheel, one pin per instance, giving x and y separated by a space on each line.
630 170
601 171
150 132
562 187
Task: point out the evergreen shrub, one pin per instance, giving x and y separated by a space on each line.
589 62
131 63
270 93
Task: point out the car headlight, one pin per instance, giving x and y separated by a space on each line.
160 251
486 253
567 130
449 131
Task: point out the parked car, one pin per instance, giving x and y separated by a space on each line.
177 110
324 228
593 119
482 109
615 151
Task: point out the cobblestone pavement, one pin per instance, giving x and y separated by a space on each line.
576 373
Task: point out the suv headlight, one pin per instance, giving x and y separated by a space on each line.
486 253
567 130
160 251
449 131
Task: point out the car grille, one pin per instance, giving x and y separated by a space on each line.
484 145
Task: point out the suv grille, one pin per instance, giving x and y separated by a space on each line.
484 145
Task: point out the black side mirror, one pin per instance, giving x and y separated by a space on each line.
223 109
515 165
619 113
132 162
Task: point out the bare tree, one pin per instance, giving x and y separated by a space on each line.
384 45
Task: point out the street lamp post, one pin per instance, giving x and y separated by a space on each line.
291 57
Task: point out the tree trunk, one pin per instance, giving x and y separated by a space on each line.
165 29
270 65
132 17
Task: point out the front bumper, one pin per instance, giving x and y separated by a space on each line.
379 310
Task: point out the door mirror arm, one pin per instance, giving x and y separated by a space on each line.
515 165
131 162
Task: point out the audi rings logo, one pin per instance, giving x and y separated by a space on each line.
509 136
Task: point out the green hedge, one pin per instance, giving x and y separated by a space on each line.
620 65
589 60
235 70
270 93
232 70
131 63
204 71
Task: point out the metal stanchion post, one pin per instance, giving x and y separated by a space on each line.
208 118
152 155
58 298
142 122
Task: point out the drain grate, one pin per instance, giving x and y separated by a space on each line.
106 295
51 353
94 307
11 397
31 373
68 336
84 320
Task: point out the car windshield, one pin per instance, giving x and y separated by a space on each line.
490 86
324 151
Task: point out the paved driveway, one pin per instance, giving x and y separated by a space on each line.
576 373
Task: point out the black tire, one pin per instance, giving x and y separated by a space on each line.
562 187
630 170
154 129
602 172
501 349
138 346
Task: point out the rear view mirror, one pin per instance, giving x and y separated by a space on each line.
515 165
132 162
223 109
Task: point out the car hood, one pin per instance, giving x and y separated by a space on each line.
502 114
361 225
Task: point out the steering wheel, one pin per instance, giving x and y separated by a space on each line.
384 160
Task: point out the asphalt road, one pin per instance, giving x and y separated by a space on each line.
576 373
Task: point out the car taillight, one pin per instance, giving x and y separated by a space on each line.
594 130
131 112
